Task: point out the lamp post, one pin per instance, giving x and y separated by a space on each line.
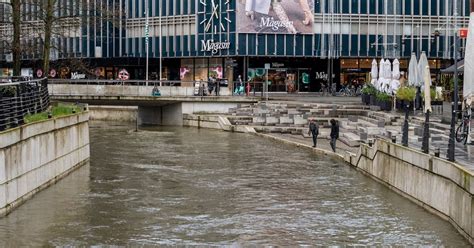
147 34
452 135
405 126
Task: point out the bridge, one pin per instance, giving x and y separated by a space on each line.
166 109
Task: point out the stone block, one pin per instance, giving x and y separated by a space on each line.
418 131
272 120
286 120
300 120
293 111
353 118
258 120
381 123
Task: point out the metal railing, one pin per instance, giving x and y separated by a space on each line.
17 99
141 88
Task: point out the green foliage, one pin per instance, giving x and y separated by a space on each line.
7 91
60 110
383 97
432 94
406 93
369 89
451 83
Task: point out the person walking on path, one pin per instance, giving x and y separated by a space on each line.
314 131
334 134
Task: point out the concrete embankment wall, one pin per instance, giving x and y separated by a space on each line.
441 187
167 115
36 155
113 113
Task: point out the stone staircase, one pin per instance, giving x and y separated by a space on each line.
357 122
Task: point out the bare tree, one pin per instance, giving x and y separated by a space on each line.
16 46
47 21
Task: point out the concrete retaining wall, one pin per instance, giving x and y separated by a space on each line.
113 113
34 156
442 187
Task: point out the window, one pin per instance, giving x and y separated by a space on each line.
416 7
355 6
434 7
372 6
425 7
407 7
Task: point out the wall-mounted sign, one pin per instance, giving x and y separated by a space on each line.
277 65
214 47
77 75
273 16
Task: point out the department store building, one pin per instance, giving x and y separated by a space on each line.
306 41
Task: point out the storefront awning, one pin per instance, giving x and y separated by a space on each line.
451 69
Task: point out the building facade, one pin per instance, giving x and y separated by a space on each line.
303 41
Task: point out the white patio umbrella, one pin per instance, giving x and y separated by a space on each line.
421 70
381 74
395 83
468 87
374 73
413 71
427 80
387 76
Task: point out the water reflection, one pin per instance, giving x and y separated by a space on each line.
172 186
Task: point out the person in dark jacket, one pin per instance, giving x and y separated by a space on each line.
314 131
334 134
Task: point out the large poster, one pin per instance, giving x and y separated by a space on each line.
275 16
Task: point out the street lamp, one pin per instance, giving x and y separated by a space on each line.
452 135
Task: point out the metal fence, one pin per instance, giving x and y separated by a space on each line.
17 99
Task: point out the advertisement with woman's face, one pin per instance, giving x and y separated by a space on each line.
275 16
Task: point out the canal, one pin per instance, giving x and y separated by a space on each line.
184 186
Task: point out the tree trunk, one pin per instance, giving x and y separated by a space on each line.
48 26
16 46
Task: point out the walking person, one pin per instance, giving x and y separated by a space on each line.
314 131
334 134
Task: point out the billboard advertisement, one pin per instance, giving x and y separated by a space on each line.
275 16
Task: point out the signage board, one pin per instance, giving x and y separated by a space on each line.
272 16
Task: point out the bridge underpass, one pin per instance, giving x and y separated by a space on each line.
152 110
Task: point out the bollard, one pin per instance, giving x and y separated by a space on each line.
73 111
437 152
50 115
371 142
394 139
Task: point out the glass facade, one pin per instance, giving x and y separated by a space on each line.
342 29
